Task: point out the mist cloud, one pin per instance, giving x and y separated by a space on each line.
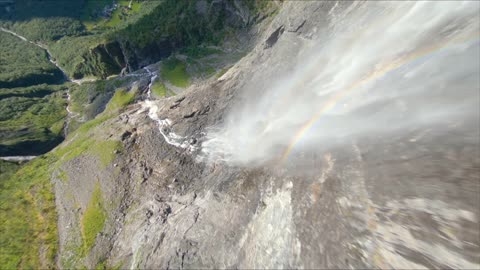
382 67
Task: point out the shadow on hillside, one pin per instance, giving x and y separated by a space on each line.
23 10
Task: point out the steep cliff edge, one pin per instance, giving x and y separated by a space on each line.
134 187
168 27
161 205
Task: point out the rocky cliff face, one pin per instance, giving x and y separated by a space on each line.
360 206
110 57
101 61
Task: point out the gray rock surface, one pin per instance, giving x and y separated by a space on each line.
387 202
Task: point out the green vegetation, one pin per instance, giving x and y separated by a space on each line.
63 176
27 212
79 52
31 125
98 49
106 150
84 143
208 71
88 99
38 91
69 52
98 54
222 72
122 14
28 237
24 64
70 151
44 20
88 56
174 71
261 6
103 266
120 99
171 22
86 127
81 33
91 12
7 169
199 51
31 111
47 29
159 90
93 219
32 108
177 21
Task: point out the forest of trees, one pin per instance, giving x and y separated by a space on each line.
23 64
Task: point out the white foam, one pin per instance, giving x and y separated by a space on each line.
164 125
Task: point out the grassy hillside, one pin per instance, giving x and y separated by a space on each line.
24 64
175 72
38 91
177 21
83 27
32 110
95 21
28 237
43 20
87 56
31 125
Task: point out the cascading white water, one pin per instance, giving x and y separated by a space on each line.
153 77
379 67
164 125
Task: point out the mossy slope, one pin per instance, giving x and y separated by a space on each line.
28 230
28 237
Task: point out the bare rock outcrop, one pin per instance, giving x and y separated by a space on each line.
348 208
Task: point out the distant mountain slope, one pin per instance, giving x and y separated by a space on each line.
24 64
98 38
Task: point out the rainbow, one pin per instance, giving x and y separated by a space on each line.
375 74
